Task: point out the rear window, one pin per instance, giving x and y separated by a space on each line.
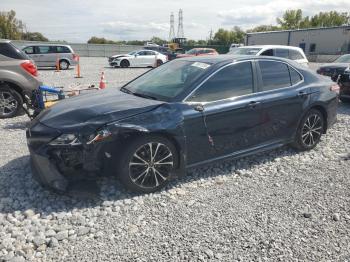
9 50
274 75
63 49
295 55
295 77
282 53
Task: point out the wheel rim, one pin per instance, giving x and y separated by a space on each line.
151 164
8 104
312 130
63 65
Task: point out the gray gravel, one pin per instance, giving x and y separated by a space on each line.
277 206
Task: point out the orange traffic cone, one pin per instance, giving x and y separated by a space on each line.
57 64
78 68
102 81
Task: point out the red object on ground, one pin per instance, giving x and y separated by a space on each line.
102 81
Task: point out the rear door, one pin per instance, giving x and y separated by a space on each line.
284 96
47 55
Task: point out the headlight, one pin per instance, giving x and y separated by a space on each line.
66 139
100 135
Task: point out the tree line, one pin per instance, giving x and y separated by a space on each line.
15 29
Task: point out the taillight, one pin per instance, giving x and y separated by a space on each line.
30 68
335 88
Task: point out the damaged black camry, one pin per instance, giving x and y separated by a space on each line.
183 114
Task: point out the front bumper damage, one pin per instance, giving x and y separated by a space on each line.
56 166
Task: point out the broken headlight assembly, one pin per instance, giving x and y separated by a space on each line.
66 139
99 136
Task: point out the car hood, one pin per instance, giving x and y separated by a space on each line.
97 108
335 65
118 56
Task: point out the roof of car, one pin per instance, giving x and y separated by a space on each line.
230 58
4 41
271 46
48 44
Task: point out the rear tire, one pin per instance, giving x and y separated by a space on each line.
147 164
11 102
159 62
310 131
124 64
64 65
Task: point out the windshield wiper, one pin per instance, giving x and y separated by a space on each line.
144 96
125 90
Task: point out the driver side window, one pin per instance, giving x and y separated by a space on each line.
231 81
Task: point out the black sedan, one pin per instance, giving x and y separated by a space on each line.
336 68
186 113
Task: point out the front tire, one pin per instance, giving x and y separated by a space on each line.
147 164
124 64
310 130
10 102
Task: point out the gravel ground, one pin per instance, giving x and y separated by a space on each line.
277 206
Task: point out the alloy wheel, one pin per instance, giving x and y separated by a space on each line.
150 165
312 130
8 104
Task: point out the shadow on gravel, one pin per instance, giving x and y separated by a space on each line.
19 191
15 126
344 108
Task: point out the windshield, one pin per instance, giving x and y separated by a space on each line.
133 53
245 51
343 59
167 81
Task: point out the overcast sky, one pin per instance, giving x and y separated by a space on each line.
78 20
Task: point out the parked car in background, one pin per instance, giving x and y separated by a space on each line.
344 85
18 79
198 52
46 55
289 52
163 50
335 68
141 58
186 113
234 46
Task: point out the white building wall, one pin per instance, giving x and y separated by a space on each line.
328 40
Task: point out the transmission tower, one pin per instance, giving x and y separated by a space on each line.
180 30
172 27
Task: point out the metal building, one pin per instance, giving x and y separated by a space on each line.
314 41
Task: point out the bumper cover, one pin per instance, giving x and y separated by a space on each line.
46 173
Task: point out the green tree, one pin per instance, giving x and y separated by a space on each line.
226 37
10 26
34 36
332 18
264 28
100 40
291 19
158 40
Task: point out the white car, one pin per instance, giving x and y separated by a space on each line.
289 52
234 46
141 58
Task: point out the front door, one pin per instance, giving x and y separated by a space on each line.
231 119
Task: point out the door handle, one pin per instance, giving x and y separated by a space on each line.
253 104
